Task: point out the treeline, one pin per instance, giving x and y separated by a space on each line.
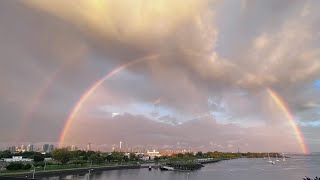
216 155
18 166
82 157
79 157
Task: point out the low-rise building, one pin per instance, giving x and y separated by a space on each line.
17 159
153 154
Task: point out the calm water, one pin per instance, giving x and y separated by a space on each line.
241 169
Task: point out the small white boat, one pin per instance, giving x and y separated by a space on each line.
167 168
270 161
277 157
283 157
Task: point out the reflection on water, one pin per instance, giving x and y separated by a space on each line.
296 167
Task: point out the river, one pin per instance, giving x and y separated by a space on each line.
294 168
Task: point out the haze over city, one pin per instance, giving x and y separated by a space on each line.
172 74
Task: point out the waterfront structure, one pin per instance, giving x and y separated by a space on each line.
17 159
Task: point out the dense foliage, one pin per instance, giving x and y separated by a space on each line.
18 166
82 157
216 155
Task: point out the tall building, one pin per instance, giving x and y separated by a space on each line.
30 147
12 148
120 145
89 147
74 148
45 148
51 148
22 148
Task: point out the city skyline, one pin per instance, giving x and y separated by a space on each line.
203 74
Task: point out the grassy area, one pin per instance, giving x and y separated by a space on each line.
57 167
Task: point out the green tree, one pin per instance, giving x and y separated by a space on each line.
133 157
62 155
38 158
14 166
199 154
109 157
5 154
26 167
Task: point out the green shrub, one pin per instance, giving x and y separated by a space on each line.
38 158
14 166
26 167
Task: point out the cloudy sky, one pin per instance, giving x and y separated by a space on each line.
182 62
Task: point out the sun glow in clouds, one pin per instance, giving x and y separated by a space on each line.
124 19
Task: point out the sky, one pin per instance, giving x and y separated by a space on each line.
170 66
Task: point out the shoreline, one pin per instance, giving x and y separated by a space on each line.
84 170
62 172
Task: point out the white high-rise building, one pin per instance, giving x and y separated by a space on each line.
45 148
120 145
22 148
74 148
89 147
30 147
51 148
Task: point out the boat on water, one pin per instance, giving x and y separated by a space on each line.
270 161
180 166
283 157
277 157
166 168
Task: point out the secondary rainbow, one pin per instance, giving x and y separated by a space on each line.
92 88
274 96
282 105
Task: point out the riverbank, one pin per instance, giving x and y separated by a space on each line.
84 170
62 172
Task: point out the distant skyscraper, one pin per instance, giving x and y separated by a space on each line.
120 145
51 148
89 148
74 148
45 148
30 147
12 148
22 148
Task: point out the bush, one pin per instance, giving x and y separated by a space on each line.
14 166
39 164
38 158
26 167
18 166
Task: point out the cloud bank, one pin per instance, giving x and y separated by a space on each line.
216 59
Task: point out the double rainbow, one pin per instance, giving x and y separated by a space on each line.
274 96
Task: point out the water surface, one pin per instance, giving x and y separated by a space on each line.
296 167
